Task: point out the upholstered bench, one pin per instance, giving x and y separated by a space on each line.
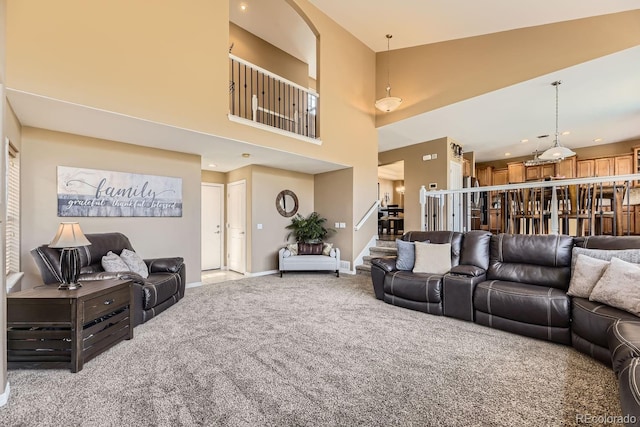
287 261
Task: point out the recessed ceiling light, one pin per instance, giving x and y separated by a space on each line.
598 140
524 140
566 132
245 155
507 154
212 165
243 7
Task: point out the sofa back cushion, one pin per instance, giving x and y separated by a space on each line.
436 237
543 260
475 249
608 242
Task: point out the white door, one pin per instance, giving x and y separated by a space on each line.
236 226
212 202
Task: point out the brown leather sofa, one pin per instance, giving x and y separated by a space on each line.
424 291
518 283
163 288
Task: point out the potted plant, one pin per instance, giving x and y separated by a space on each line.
308 230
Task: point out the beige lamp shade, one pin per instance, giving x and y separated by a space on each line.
69 235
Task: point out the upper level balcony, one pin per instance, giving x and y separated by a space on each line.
264 99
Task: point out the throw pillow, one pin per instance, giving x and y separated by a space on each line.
586 273
406 255
619 286
432 258
135 263
113 263
309 248
326 248
628 255
293 248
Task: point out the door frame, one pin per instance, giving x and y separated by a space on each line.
223 234
229 186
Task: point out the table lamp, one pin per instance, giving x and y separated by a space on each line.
69 238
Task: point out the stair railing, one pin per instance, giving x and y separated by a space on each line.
372 209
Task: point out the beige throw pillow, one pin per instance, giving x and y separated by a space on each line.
326 248
135 263
586 273
432 258
619 286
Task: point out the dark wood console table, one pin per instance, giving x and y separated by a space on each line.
50 328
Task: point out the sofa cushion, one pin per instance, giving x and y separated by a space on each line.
629 388
542 260
421 287
158 288
523 303
586 273
292 248
327 248
406 255
113 263
432 258
619 286
452 237
135 263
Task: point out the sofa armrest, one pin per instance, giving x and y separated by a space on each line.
164 265
120 275
388 264
458 292
467 270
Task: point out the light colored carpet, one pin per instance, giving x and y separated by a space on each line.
313 349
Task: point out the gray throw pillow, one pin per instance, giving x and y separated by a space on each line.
113 263
619 286
586 273
406 255
135 263
628 255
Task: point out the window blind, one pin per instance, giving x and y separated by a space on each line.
12 249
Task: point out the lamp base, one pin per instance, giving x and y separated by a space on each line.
69 286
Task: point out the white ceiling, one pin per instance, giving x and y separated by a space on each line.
600 98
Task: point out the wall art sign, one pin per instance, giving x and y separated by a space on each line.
92 192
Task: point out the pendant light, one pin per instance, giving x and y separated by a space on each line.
557 151
388 103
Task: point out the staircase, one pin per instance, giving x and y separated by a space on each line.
381 249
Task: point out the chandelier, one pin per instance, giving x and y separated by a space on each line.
388 103
557 151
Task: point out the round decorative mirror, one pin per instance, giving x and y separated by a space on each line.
287 203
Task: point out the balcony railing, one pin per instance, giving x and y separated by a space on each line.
263 97
581 206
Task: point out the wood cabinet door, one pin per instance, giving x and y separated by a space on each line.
516 172
567 168
500 176
623 165
466 167
604 166
548 170
585 168
533 172
485 176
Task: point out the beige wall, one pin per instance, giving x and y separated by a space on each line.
263 54
432 76
213 177
332 200
43 151
267 183
623 147
169 64
418 172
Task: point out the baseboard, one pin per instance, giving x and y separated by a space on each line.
4 397
193 285
261 273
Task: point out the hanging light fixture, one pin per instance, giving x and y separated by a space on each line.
557 151
388 103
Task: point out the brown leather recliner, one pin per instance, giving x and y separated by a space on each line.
424 291
164 287
525 290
